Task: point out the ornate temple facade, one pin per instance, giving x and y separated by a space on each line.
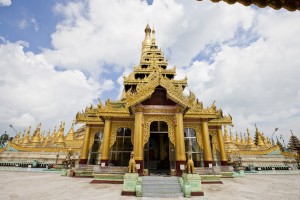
157 121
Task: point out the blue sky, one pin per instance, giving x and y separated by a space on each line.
60 56
19 11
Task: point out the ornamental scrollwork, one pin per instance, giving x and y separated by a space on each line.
197 130
114 128
93 133
146 87
168 119
215 139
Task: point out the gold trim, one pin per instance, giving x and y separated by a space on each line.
197 129
151 118
42 149
116 126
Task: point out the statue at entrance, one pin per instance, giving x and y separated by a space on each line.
190 164
131 166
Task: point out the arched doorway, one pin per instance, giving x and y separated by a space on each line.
156 150
94 153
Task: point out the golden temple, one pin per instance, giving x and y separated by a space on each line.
155 119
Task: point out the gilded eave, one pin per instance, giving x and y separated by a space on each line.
89 116
227 120
290 5
150 69
265 152
113 109
40 149
145 89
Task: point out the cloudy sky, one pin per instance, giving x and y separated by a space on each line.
59 56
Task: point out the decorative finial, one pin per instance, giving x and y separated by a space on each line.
153 36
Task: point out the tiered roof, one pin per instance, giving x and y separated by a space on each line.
149 76
290 5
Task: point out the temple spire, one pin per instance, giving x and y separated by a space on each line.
71 133
226 138
242 139
231 136
153 38
250 143
147 41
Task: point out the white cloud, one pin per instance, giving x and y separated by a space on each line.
35 24
246 59
23 24
93 35
259 83
32 91
5 2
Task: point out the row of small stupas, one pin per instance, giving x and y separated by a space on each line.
55 140
240 142
58 139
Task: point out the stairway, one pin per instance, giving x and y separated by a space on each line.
159 186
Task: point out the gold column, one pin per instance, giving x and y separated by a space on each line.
161 146
138 140
106 141
222 147
138 136
206 145
179 143
85 147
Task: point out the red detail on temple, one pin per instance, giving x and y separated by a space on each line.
206 163
104 161
197 193
159 97
178 171
141 170
83 161
224 163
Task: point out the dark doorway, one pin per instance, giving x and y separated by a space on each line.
156 152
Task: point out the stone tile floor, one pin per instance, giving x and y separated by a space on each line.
52 186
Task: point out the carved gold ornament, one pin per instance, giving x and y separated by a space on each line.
148 119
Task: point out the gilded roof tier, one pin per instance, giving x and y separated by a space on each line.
152 73
290 5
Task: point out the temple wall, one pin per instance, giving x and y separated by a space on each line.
17 156
265 160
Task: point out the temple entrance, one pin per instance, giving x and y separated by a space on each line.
156 151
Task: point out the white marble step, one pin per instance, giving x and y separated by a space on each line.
157 186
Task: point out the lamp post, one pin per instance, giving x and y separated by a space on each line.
276 129
57 155
11 126
283 141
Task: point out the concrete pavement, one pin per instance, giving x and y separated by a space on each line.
48 186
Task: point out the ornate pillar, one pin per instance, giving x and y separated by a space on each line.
222 147
179 144
106 142
206 145
85 148
138 140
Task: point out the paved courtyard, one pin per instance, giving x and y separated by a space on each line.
51 186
